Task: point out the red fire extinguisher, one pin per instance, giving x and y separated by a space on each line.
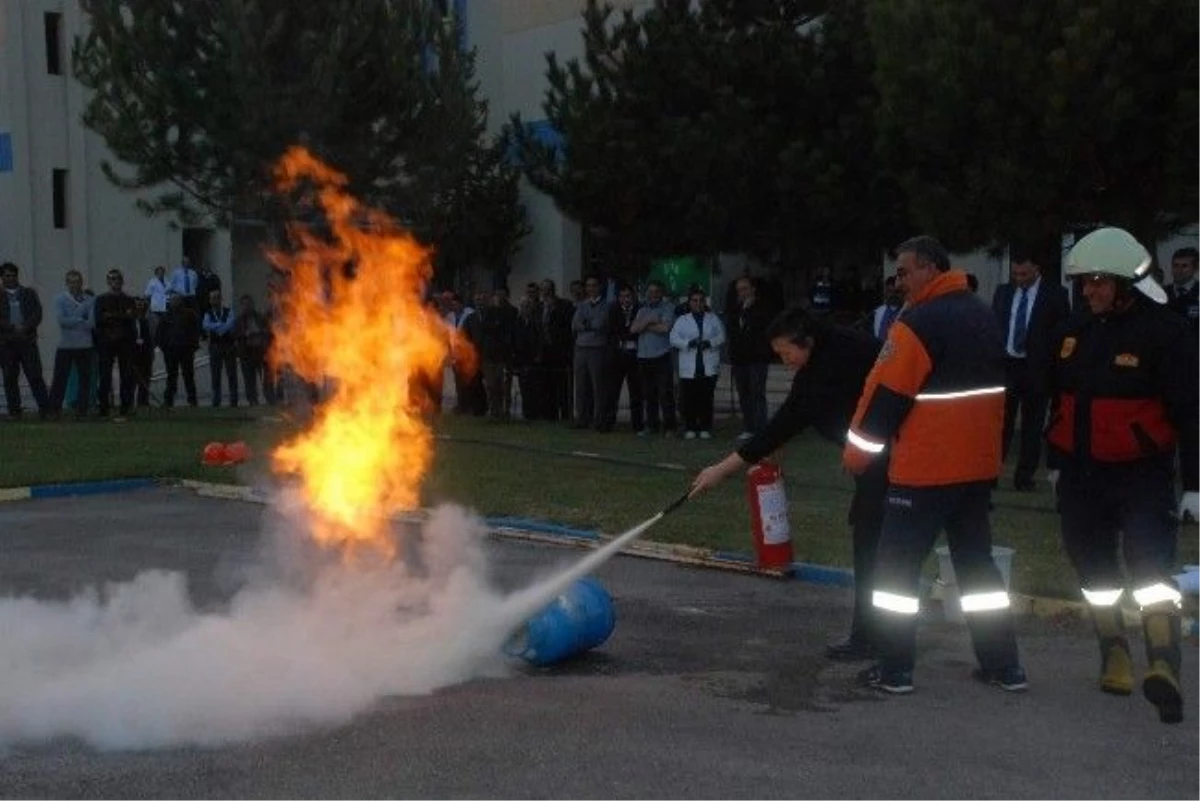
768 516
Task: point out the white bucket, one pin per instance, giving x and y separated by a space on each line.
951 606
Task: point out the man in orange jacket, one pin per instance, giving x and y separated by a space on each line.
935 400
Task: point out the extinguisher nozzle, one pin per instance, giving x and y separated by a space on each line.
675 504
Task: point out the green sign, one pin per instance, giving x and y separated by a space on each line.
680 273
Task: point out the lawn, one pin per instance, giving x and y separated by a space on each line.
539 471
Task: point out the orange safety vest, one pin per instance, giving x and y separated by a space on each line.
935 397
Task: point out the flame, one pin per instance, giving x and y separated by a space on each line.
351 317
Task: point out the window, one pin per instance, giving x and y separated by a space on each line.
60 198
53 43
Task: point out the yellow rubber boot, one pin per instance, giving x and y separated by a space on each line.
1116 664
1116 671
1161 684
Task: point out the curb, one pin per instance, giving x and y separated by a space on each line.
526 530
77 488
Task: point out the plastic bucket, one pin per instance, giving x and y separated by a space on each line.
579 619
951 605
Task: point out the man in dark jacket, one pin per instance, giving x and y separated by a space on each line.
20 316
179 337
116 333
555 352
625 361
498 326
831 364
749 355
1183 295
1028 310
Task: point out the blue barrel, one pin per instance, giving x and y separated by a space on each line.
578 620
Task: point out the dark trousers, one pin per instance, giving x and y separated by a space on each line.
913 519
866 521
751 383
551 384
64 360
143 367
497 382
253 361
122 353
470 393
658 391
22 356
1115 510
696 402
591 386
625 370
1020 396
223 360
180 361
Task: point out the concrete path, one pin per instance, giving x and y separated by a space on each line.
713 685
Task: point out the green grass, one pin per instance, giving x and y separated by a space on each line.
509 469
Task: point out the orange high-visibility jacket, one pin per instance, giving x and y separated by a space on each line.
935 397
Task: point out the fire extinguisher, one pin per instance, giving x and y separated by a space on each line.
768 516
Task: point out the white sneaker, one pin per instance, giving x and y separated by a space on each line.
705 435
690 435
745 435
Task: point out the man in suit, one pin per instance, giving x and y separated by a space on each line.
1183 295
1028 310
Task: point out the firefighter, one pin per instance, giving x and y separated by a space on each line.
831 364
1124 390
934 401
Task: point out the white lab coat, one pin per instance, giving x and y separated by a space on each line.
684 331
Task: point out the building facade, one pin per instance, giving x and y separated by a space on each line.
57 209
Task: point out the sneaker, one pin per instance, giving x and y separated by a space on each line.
1010 679
705 435
690 435
896 682
644 432
745 435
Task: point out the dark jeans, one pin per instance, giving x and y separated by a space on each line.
866 521
223 360
180 361
253 361
554 384
751 383
23 356
470 394
64 360
497 381
625 369
143 367
696 402
1125 509
1019 396
913 519
122 353
591 386
658 391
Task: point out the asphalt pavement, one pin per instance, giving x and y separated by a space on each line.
713 685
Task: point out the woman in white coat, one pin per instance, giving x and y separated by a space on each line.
698 336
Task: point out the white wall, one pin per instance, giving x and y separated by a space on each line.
104 229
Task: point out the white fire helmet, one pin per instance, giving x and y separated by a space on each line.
1113 251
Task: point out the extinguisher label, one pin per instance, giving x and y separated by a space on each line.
772 506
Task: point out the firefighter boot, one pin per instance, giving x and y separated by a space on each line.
1161 685
1116 664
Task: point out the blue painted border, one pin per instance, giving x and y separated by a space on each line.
91 487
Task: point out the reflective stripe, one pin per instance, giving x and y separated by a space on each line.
864 444
1156 593
1102 597
896 603
965 393
984 601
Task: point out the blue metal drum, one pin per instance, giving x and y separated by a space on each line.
580 619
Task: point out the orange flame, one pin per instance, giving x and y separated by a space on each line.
351 315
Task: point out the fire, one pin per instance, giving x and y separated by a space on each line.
351 317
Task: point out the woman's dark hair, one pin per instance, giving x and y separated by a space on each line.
798 326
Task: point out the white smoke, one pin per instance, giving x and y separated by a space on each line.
304 642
